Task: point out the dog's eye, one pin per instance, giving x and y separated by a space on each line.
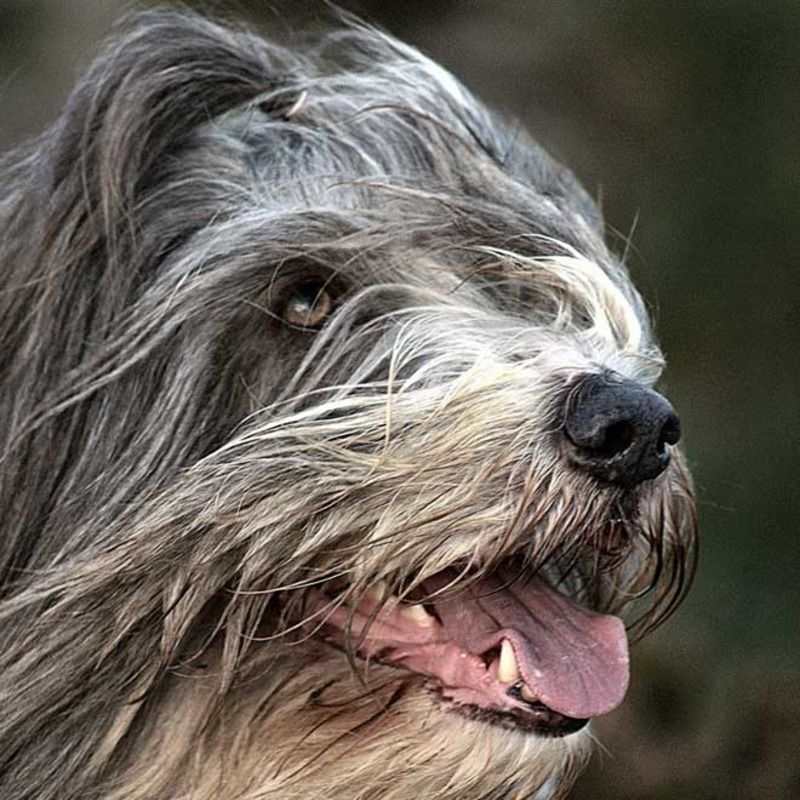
309 305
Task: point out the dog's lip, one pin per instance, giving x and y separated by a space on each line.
536 718
498 642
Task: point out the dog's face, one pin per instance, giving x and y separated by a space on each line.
333 463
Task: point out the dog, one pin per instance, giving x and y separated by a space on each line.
331 459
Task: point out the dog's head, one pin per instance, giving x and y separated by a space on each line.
330 443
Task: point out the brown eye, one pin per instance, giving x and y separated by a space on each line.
309 306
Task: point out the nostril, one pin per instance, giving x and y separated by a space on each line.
670 432
618 438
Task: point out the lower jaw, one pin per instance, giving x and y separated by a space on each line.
520 715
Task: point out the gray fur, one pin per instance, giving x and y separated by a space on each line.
180 467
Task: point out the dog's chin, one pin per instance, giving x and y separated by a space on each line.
300 723
502 647
397 733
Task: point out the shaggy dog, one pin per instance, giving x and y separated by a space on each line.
329 455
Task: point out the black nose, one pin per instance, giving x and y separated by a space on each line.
618 430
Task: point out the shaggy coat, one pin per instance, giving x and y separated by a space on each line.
193 480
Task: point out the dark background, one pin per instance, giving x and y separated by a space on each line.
684 118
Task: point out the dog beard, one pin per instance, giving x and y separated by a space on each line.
289 510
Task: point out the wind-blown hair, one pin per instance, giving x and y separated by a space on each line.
182 470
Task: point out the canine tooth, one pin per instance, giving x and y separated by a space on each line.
417 613
527 693
507 669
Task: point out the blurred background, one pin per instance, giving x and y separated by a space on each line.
684 118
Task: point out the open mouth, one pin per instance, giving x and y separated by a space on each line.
504 647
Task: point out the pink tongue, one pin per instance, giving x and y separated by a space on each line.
575 660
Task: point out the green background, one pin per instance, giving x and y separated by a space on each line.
684 118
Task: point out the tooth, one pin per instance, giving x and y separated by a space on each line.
378 590
507 669
417 613
527 693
